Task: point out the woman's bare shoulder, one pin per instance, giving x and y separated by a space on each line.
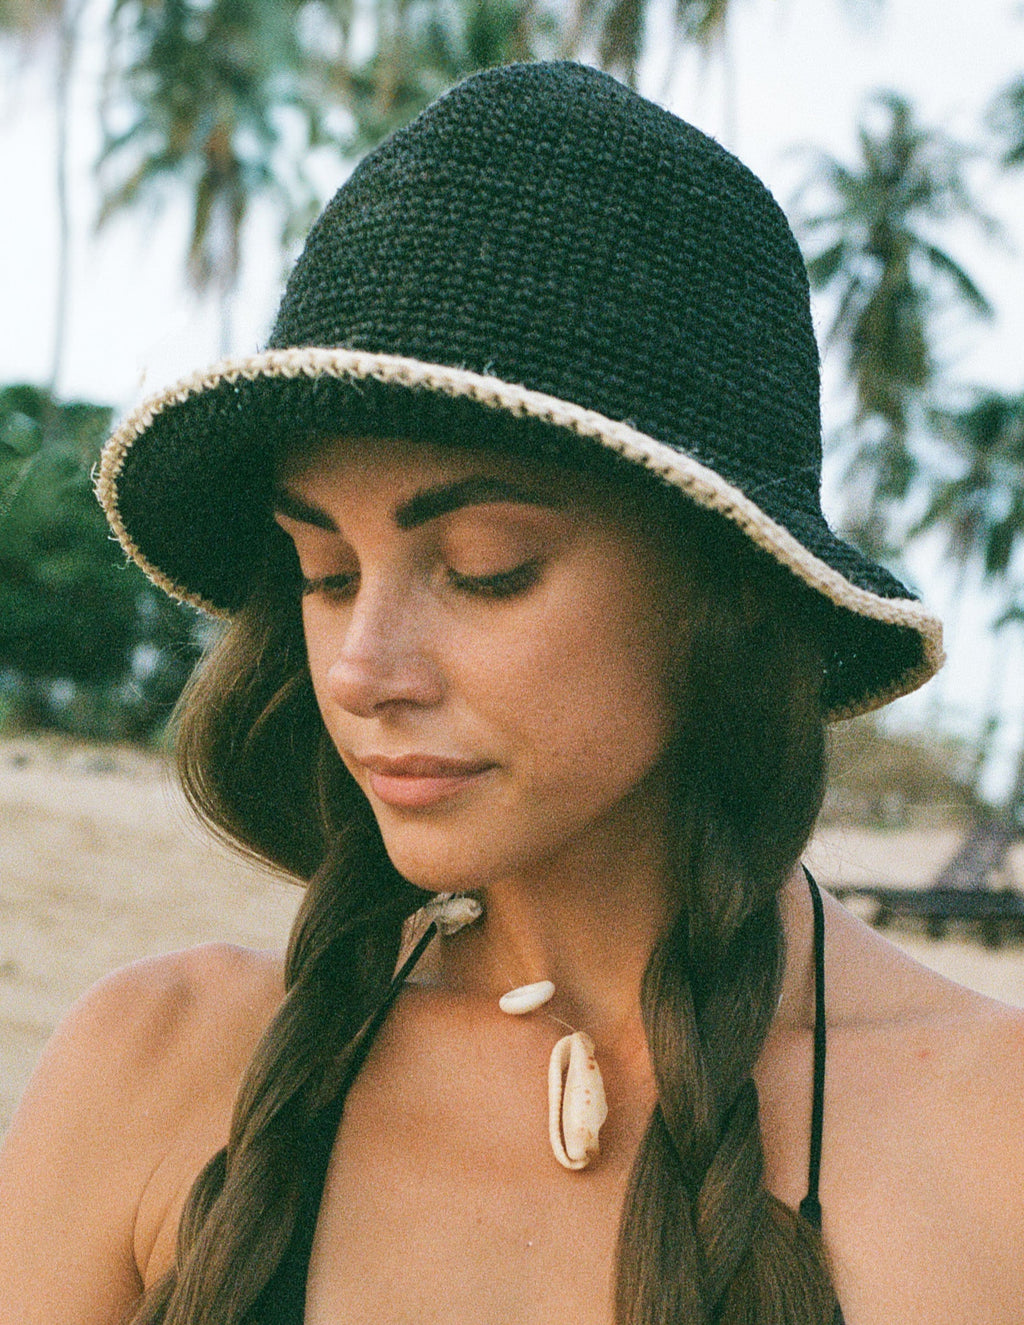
923 1119
152 1054
877 993
153 1023
160 1019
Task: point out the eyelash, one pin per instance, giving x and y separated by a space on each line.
504 584
330 585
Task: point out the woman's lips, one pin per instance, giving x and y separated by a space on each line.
416 781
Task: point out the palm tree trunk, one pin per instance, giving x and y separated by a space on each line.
67 40
989 727
226 292
572 30
938 697
1014 809
730 101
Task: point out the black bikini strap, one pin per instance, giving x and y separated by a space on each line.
810 1206
394 989
284 1299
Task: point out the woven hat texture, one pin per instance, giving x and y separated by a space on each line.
542 258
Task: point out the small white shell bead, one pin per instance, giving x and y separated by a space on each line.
527 998
576 1101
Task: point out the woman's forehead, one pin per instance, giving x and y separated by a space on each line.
365 465
344 453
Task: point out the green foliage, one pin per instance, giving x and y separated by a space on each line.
702 21
415 50
981 508
873 242
886 780
615 31
86 643
223 100
226 97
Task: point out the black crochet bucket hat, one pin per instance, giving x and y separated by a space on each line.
545 259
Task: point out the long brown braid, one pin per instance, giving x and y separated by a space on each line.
701 1239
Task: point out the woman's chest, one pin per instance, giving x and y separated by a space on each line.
450 1207
389 1252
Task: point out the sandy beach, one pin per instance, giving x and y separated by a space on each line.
101 863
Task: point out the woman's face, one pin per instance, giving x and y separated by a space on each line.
491 650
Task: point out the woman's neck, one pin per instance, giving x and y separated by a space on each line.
590 931
586 921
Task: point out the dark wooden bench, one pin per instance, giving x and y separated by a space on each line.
962 892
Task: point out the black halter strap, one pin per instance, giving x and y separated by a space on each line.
284 1299
810 1206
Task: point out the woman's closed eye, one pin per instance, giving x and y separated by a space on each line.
499 584
495 584
341 585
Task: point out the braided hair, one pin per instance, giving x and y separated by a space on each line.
702 1241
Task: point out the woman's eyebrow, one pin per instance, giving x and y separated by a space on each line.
423 506
286 503
431 503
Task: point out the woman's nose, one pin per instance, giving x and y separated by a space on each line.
382 655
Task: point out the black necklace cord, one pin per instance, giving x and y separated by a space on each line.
810 1206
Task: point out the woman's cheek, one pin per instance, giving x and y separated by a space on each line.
588 715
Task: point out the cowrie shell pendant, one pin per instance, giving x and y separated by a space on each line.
576 1101
527 998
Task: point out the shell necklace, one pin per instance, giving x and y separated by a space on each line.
576 1100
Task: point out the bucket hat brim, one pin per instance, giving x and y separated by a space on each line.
195 516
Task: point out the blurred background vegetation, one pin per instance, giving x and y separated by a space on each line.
222 102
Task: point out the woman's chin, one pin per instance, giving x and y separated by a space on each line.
438 871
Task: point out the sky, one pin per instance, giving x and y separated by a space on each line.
801 70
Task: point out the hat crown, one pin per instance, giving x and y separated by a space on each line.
545 225
545 261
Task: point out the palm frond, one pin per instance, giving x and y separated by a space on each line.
1006 119
622 37
703 22
965 285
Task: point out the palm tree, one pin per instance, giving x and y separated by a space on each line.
417 49
981 507
977 500
205 93
872 243
196 94
199 90
67 44
707 24
613 33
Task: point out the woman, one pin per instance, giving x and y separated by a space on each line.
531 602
